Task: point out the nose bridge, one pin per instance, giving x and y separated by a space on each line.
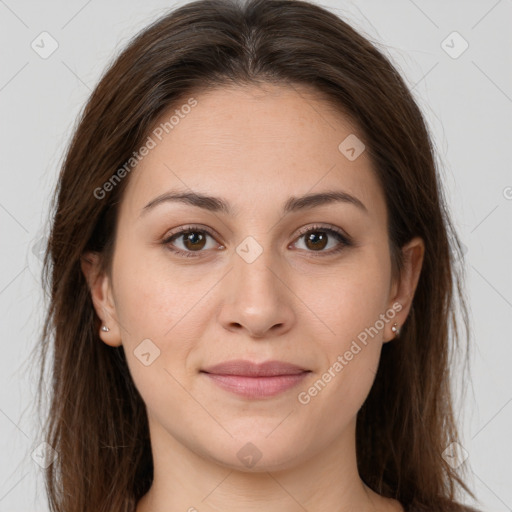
254 271
257 299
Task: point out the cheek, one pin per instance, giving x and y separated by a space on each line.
352 304
152 313
350 297
155 298
160 328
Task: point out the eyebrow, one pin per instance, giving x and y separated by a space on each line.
220 205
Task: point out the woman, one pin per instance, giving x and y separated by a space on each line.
251 274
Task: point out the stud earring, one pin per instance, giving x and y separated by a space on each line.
105 328
395 330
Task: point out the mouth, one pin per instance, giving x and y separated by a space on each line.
253 380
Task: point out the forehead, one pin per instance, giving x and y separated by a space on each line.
251 143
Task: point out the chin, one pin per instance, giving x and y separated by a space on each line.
258 452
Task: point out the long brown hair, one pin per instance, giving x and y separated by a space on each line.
96 419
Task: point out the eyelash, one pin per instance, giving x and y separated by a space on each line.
344 240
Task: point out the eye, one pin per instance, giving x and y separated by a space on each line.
317 238
188 240
192 239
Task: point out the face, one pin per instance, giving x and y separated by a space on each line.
262 273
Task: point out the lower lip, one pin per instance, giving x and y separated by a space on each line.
257 387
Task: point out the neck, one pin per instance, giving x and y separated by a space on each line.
185 481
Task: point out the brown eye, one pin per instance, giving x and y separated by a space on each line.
316 240
191 241
194 240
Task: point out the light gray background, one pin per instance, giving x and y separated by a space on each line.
468 104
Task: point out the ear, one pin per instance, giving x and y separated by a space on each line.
404 287
102 298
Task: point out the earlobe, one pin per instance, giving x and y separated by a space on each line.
405 288
102 298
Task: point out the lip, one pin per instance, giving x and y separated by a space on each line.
256 380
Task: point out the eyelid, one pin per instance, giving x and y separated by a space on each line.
319 226
187 228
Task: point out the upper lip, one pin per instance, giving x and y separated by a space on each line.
250 369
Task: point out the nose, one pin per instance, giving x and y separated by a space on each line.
256 298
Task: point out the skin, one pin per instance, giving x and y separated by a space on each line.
255 147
